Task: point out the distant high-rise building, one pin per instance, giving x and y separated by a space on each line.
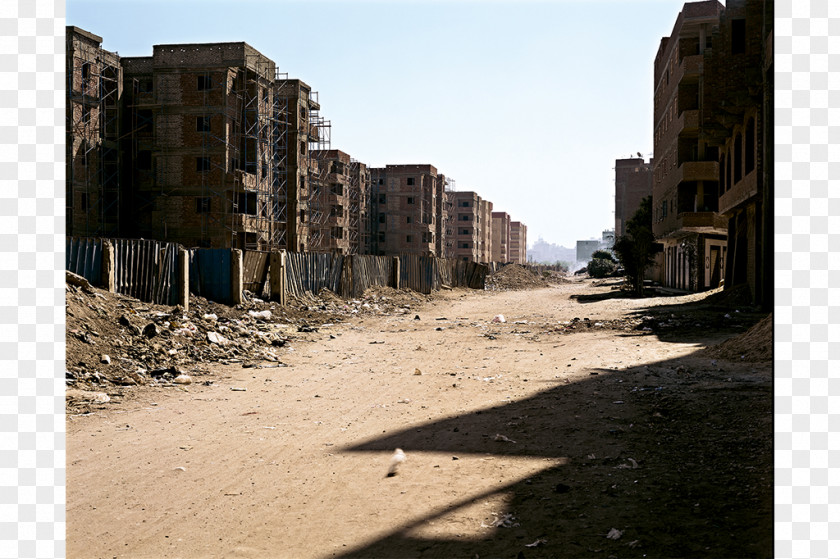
518 242
501 237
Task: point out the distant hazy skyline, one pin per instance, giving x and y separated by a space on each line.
527 103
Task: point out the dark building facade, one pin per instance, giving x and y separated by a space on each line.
738 121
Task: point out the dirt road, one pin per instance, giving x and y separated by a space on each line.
538 437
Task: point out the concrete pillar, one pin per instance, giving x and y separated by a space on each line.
277 277
395 273
183 278
236 276
109 279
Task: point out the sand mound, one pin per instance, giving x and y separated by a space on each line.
756 344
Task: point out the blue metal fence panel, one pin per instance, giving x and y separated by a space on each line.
210 274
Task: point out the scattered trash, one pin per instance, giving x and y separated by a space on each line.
264 315
238 389
210 317
537 543
614 534
503 439
417 372
506 520
416 317
180 469
216 338
182 379
499 318
105 359
396 459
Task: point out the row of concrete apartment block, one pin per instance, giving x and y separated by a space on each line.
209 145
711 176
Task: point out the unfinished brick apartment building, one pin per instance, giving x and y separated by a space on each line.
341 186
712 193
518 242
204 144
306 140
205 133
408 210
685 165
501 237
94 202
472 225
633 181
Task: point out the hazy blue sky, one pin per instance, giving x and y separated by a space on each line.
527 103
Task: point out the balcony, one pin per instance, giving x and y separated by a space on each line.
690 68
697 171
689 121
701 222
741 191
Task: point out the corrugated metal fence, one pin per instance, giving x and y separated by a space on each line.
254 271
146 270
84 257
312 271
143 269
368 271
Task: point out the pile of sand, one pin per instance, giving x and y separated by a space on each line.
756 344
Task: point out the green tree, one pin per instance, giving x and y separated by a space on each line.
635 249
600 268
603 255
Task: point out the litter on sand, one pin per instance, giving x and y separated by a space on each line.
505 520
396 459
614 534
503 439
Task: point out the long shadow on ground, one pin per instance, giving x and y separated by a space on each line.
700 433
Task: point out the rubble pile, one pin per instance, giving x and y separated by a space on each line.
514 277
114 340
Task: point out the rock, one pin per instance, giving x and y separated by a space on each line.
499 318
77 280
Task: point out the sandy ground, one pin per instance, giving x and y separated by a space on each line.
522 439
